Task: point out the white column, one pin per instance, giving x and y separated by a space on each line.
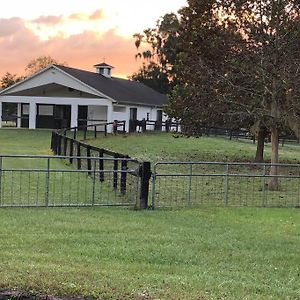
19 115
74 115
109 117
0 114
32 115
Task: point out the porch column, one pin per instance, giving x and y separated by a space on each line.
0 114
19 115
32 115
109 118
74 115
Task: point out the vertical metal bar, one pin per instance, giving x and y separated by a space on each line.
78 156
1 159
75 133
84 133
226 184
71 151
101 166
89 162
154 187
47 183
95 131
264 187
190 184
115 171
94 183
123 175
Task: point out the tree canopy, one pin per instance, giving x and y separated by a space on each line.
159 51
240 64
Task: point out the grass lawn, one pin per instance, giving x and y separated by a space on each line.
207 253
110 253
164 147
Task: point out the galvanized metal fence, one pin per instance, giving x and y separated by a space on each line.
176 184
48 181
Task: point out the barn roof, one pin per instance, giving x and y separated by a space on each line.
121 90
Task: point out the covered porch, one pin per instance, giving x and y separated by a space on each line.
51 112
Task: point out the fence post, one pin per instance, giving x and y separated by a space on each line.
105 130
124 124
95 131
101 166
115 175
145 175
78 158
94 183
1 161
264 186
226 184
59 138
190 184
47 183
75 133
65 145
123 175
84 133
71 151
88 154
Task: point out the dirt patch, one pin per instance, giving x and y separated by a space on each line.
14 295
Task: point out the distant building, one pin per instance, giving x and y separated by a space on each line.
60 96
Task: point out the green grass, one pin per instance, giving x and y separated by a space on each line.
206 253
165 147
203 253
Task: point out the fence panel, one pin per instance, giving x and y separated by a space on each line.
220 184
54 181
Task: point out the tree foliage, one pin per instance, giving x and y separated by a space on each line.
40 63
9 79
241 62
159 51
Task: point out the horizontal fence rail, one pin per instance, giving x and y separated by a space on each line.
51 181
224 184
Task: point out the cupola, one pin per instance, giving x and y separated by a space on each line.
104 69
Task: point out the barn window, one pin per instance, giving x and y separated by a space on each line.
119 109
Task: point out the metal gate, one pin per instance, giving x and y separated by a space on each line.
177 184
50 181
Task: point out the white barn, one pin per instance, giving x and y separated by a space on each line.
60 96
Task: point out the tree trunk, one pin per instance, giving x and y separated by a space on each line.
259 156
273 184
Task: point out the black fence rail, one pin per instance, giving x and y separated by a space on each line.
90 158
117 126
152 125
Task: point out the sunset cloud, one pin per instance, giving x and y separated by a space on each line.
10 26
80 33
48 20
81 50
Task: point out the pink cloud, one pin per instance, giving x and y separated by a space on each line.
98 14
48 20
10 26
19 45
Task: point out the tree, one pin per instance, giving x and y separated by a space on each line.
243 56
40 63
9 79
158 67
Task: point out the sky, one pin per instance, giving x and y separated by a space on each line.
80 33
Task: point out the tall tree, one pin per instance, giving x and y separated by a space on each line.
160 48
40 63
243 56
9 79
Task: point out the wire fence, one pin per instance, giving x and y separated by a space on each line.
50 181
178 184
